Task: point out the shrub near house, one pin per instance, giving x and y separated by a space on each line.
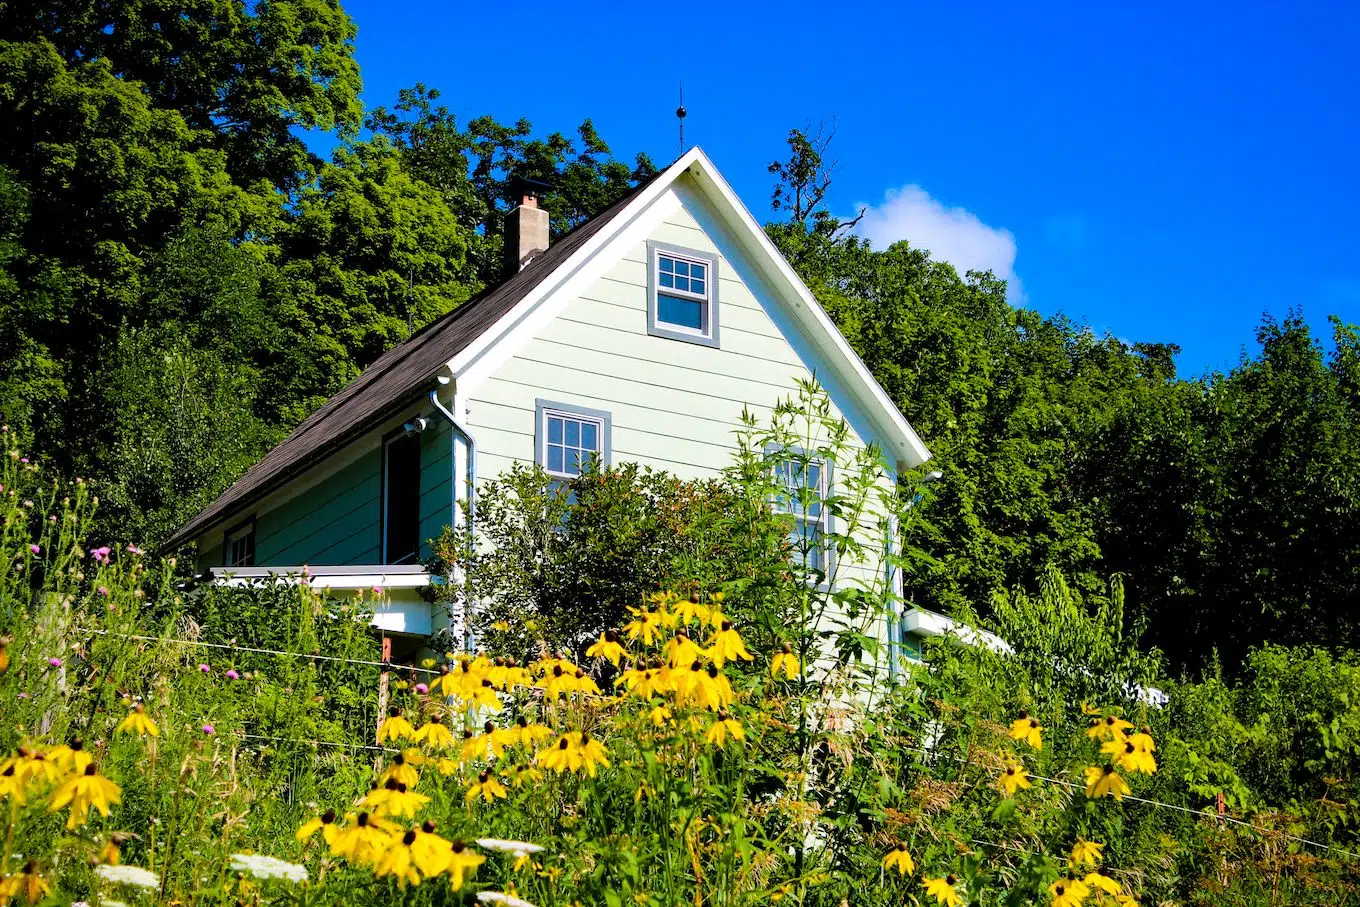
733 761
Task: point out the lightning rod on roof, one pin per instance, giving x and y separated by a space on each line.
680 115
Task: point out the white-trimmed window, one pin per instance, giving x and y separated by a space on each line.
801 485
238 548
568 437
682 290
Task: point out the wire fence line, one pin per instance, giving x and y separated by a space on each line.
1198 813
385 665
351 746
1205 814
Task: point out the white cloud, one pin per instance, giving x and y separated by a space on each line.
955 235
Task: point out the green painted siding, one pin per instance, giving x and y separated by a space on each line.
337 521
436 485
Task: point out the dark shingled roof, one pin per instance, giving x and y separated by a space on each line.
394 380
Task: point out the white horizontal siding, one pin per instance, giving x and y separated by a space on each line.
673 405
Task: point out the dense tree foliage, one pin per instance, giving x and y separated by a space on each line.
1229 501
182 280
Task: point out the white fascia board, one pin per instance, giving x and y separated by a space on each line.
401 609
362 576
481 357
930 623
907 445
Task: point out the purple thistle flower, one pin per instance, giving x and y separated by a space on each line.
422 689
23 459
35 549
54 661
209 730
205 669
232 675
133 549
103 590
101 554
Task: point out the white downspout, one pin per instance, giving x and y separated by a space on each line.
470 507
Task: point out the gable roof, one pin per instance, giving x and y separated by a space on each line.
395 379
459 339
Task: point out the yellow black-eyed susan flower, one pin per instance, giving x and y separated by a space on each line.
898 858
324 823
1013 778
785 662
1027 730
1085 852
26 886
726 645
607 647
86 791
1105 782
943 890
487 786
138 722
396 727
1068 892
462 861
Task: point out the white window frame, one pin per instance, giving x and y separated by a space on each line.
547 408
708 335
244 530
789 456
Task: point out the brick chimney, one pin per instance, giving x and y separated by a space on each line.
526 226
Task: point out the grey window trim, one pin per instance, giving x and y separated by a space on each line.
773 452
670 332
543 407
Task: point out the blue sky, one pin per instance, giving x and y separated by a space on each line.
1164 173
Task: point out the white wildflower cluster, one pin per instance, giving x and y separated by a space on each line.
518 848
268 868
135 876
500 897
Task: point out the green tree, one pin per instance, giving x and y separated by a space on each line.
476 167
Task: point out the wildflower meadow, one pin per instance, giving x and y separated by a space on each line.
747 741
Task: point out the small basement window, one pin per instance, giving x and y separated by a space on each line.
682 294
238 548
401 499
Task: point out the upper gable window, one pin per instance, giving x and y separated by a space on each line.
682 294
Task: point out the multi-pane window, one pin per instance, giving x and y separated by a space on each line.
569 438
571 441
683 290
240 546
682 293
800 492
